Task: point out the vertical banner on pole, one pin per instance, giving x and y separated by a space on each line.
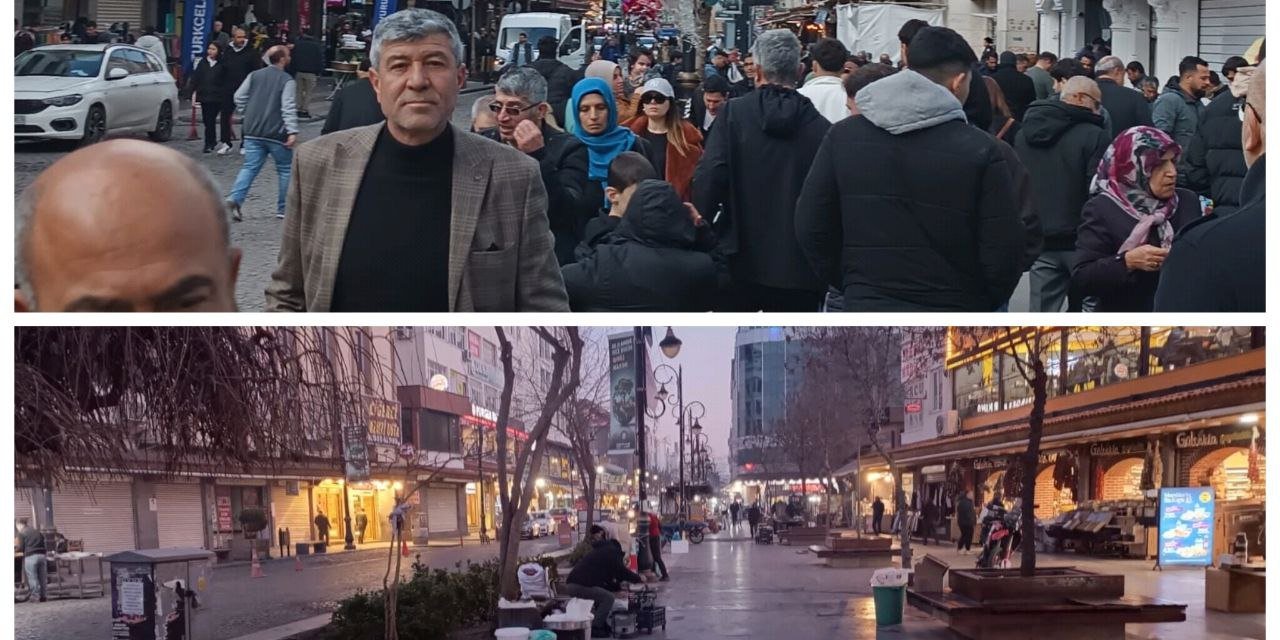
197 25
382 9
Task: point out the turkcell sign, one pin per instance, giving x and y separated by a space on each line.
382 9
197 24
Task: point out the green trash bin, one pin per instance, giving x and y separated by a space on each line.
889 602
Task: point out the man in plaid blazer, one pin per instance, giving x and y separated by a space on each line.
499 247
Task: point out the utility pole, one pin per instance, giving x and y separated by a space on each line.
680 403
641 405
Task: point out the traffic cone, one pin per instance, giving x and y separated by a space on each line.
404 548
256 570
297 563
191 133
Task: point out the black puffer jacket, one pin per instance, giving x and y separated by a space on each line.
649 263
239 65
307 56
1019 90
560 80
602 566
754 165
1061 145
932 225
1213 164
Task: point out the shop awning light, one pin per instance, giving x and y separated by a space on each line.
1249 418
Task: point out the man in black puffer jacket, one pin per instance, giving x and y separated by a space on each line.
658 258
1213 164
240 60
1061 144
933 224
1019 90
755 165
560 78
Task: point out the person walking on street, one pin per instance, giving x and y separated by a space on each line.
929 522
825 90
1061 144
560 78
356 105
655 546
362 523
1126 106
1219 263
753 517
322 526
757 199
675 145
34 558
1213 165
521 53
886 234
308 64
240 60
1177 111
206 86
877 515
966 519
1019 89
270 128
1039 74
733 513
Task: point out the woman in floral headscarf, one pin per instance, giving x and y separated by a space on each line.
1129 223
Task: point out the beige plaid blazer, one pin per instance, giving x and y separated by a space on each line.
501 255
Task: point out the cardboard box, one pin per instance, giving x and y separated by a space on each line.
1235 591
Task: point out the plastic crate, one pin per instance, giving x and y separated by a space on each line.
650 618
641 600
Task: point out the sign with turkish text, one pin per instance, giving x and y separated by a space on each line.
197 27
223 503
384 420
923 381
1120 448
1232 436
622 393
1186 526
356 439
382 9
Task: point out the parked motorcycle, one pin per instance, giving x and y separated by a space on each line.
1001 535
692 531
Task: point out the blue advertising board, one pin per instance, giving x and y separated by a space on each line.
382 9
1186 526
197 26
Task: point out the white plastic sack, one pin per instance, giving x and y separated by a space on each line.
578 608
680 545
504 603
889 577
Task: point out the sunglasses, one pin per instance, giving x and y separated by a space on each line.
653 98
511 110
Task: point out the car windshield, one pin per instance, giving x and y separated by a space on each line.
511 35
65 63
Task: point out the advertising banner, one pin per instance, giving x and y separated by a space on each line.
356 440
384 420
197 25
382 9
1186 526
622 391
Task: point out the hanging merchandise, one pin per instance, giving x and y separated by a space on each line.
1157 467
1066 473
1255 466
1148 466
1013 478
955 481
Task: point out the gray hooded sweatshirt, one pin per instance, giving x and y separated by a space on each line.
907 101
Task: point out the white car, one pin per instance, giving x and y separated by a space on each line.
543 519
85 92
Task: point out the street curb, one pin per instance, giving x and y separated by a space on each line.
283 632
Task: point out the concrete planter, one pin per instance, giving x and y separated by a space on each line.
1049 584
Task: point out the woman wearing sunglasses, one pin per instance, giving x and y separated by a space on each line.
611 73
676 143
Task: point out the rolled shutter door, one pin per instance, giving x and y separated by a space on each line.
292 512
110 11
442 509
180 515
103 519
23 507
1228 28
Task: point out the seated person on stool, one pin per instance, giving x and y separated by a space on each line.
596 575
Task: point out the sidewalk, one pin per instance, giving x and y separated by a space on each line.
336 553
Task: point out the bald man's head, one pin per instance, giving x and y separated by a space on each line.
1253 133
278 55
1082 91
124 225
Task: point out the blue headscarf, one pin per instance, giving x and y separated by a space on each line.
605 147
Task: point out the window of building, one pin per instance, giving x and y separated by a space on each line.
438 432
975 389
435 368
457 383
1176 347
1098 356
406 425
489 353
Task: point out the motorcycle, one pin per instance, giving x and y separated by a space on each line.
1001 535
694 532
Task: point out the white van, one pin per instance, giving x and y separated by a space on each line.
572 45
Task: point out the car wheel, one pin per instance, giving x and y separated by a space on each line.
95 125
164 124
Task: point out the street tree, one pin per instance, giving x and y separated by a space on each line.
815 435
584 417
515 481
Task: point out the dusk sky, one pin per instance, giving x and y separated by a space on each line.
706 355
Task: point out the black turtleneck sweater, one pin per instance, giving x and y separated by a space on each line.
395 256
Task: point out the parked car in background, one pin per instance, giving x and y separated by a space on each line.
606 515
559 515
544 521
531 528
85 92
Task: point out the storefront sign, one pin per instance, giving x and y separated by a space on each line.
1198 438
483 413
990 463
622 385
224 512
384 420
1186 526
382 9
923 381
356 439
197 25
1122 448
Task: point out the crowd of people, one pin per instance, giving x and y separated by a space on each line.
790 181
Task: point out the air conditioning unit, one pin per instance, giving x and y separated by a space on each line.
402 333
949 423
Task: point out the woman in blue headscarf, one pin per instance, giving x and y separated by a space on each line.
592 116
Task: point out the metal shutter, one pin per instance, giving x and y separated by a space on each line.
180 515
1228 28
110 11
103 519
22 505
442 509
293 512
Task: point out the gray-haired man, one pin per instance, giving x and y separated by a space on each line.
1126 106
520 108
414 214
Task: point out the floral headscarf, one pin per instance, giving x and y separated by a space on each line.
1124 175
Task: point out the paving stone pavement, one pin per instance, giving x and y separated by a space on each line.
259 235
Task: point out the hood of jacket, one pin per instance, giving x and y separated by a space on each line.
784 112
655 217
1047 120
907 101
547 65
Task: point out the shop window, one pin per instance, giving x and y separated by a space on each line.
1227 472
406 425
438 432
1176 347
1098 356
975 390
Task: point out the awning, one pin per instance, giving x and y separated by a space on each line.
848 469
